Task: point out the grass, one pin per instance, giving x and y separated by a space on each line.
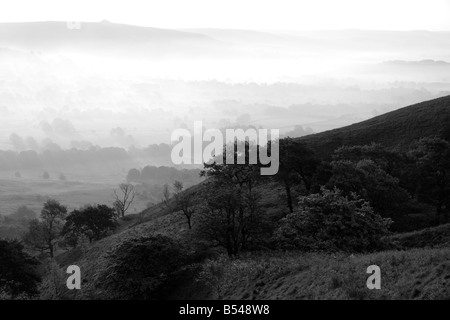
398 128
437 237
93 259
414 274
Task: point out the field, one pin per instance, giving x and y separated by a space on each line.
74 194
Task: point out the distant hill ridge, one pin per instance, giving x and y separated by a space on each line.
398 128
51 32
104 38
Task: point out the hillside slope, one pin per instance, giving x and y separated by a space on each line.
419 272
398 128
436 237
413 274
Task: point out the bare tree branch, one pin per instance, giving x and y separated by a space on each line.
124 198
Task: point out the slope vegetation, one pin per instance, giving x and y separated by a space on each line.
398 128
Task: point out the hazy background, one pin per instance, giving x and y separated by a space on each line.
94 102
119 85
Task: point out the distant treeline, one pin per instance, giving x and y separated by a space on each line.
30 159
164 174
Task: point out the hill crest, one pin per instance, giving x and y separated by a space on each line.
399 128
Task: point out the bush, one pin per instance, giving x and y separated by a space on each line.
371 182
139 267
18 270
329 221
93 222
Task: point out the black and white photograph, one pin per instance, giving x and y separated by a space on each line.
224 155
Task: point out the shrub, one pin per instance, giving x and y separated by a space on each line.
94 222
139 267
370 181
18 270
330 221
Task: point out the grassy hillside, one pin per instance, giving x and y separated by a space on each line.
95 258
414 274
438 237
419 273
419 269
397 128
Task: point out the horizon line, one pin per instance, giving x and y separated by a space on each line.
106 21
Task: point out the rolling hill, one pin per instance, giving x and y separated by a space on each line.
103 37
398 128
280 275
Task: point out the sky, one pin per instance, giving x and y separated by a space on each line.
433 15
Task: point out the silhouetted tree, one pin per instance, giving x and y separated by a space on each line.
166 197
394 162
184 201
35 236
94 222
230 214
391 161
44 233
124 197
371 182
133 175
297 163
432 157
18 270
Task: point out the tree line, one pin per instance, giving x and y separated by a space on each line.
32 159
349 201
